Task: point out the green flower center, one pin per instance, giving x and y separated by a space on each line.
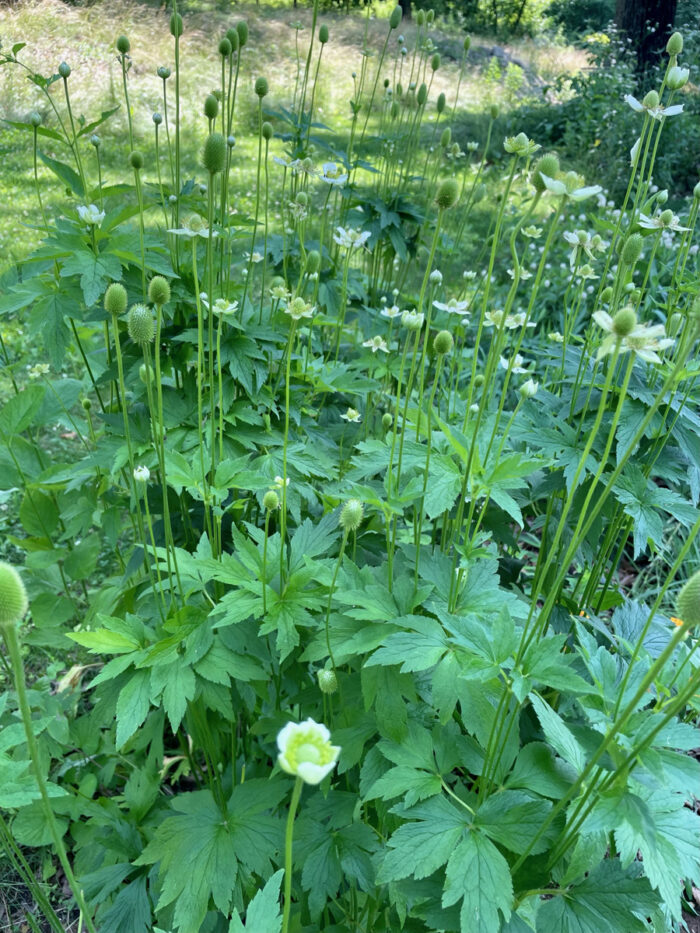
306 747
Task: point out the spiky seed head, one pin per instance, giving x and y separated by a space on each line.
447 194
446 137
64 70
443 343
430 17
115 299
632 249
351 515
323 34
123 45
674 46
211 107
624 321
214 153
651 99
547 165
225 47
422 94
688 602
13 596
242 30
387 420
395 18
479 380
435 61
467 43
327 681
420 18
494 110
313 261
34 118
271 500
136 160
441 102
606 294
261 87
302 198
232 36
394 109
176 27
159 291
140 325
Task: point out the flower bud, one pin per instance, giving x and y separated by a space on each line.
422 94
387 420
34 118
677 78
446 137
163 72
146 374
157 118
662 196
211 107
650 99
232 36
327 681
267 131
351 515
64 70
214 153
441 103
261 87
136 160
395 18
159 291
478 380
674 46
688 602
86 404
447 194
323 34
632 249
140 325
467 43
13 597
313 261
176 25
494 111
115 299
443 343
242 30
624 321
547 165
123 45
529 389
394 109
430 17
225 47
606 294
435 61
420 18
696 191
271 500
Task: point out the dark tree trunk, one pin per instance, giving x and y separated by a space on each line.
635 17
405 8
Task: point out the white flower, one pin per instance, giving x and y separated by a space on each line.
376 343
305 750
255 256
657 112
333 174
38 370
297 308
529 389
517 364
532 232
666 220
221 306
559 187
193 228
524 274
91 214
351 415
555 336
280 483
351 239
279 292
452 306
469 276
643 340
142 474
391 312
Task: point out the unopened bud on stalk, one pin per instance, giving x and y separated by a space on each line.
211 107
435 61
420 18
159 291
176 25
232 36
443 343
351 515
64 70
624 321
494 111
261 87
467 43
123 45
422 94
632 249
13 597
394 109
478 380
271 500
547 165
674 46
266 131
115 299
677 78
214 153
323 34
230 141
86 404
140 325
327 681
529 388
387 420
441 102
146 374
395 18
688 602
34 118
446 137
157 118
225 47
447 194
136 160
242 30
164 72
313 261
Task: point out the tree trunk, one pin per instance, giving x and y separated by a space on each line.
636 18
405 8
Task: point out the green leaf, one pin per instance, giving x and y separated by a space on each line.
103 641
263 912
558 733
415 650
175 683
420 847
67 175
18 413
478 873
512 818
133 705
95 271
539 770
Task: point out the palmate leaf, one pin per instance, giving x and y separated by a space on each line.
263 912
478 874
201 850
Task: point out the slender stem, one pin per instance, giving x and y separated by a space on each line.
288 841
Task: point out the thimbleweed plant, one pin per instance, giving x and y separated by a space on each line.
405 443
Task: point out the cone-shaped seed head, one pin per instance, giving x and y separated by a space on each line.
624 321
242 30
547 165
13 596
351 515
232 36
441 101
64 70
140 325
688 602
271 500
214 153
323 34
313 261
267 131
327 681
211 107
261 87
422 94
395 18
632 249
159 291
443 342
123 45
447 194
136 160
176 25
225 47
115 299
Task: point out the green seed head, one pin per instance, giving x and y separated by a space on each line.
446 137
420 18
351 515
632 249
478 380
447 194
394 109
123 45
214 153
441 102
115 299
606 294
225 47
674 46
302 198
430 17
157 118
323 34
86 404
64 70
387 420
211 107
422 94
34 118
271 500
176 25
261 87
651 99
547 165
232 36
327 681
146 374
242 30
624 321
443 343
266 131
159 291
313 261
467 43
688 602
494 110
13 597
435 61
395 18
164 72
140 325
666 217
136 160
